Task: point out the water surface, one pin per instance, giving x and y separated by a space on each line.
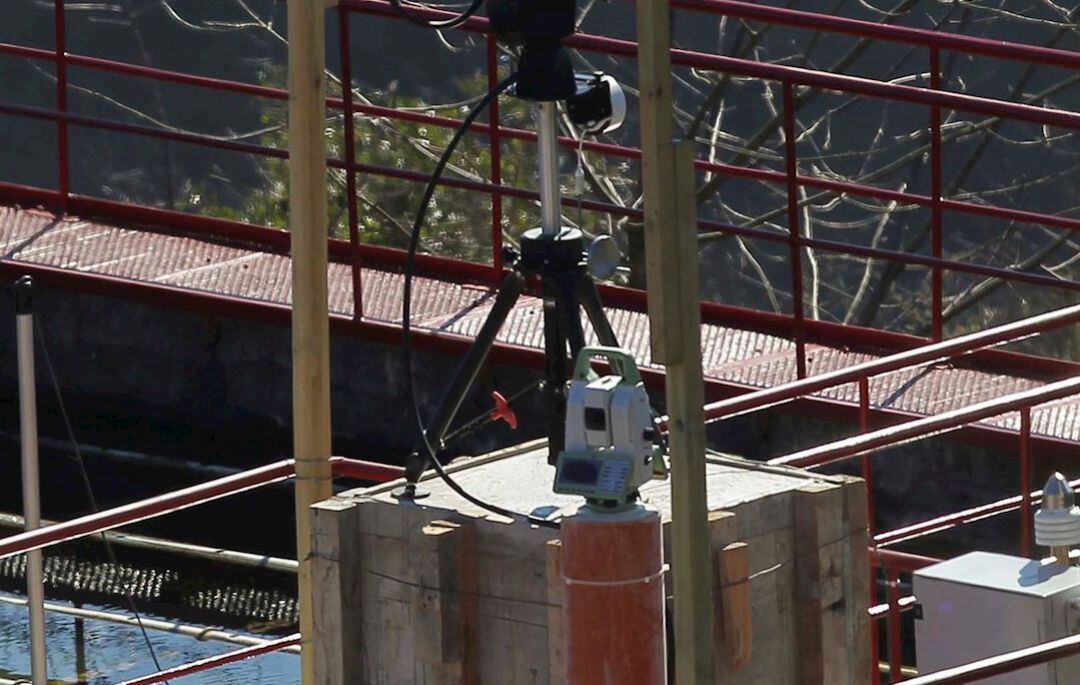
117 652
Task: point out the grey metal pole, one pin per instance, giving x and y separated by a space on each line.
547 130
35 576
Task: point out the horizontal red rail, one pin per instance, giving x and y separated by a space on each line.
1023 52
592 205
1010 662
152 507
776 72
217 661
521 134
901 562
931 425
919 356
942 523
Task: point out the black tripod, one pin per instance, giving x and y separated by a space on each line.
558 260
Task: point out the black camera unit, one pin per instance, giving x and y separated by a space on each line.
545 72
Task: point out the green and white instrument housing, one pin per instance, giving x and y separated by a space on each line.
611 439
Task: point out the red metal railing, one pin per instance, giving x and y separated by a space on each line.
153 507
179 500
217 661
789 77
893 563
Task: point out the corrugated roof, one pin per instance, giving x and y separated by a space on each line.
743 357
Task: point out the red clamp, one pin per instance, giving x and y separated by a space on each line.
503 411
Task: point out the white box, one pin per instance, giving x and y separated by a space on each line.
981 605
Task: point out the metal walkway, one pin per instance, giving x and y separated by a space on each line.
245 282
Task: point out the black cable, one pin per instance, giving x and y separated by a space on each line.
90 488
406 306
445 23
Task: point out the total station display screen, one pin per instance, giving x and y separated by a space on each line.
580 471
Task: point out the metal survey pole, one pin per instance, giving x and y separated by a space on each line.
547 131
35 576
310 315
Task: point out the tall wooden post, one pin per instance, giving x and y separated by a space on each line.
310 319
675 322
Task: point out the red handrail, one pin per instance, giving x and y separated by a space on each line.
185 498
931 425
1010 662
919 356
217 661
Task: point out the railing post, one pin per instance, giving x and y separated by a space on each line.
62 151
794 234
875 631
896 656
1026 520
495 135
868 479
31 490
935 191
867 459
350 161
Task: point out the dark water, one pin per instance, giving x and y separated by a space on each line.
117 652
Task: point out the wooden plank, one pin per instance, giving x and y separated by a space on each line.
691 560
445 606
556 625
657 174
335 563
820 551
310 315
734 623
858 574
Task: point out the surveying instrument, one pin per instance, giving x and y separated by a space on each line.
553 254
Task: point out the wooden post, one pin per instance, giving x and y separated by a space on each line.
445 610
310 317
734 621
556 628
675 322
830 580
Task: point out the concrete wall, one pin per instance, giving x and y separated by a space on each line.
178 383
173 382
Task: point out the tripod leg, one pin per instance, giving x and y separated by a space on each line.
594 309
570 307
509 292
555 371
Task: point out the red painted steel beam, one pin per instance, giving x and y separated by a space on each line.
215 304
919 356
928 426
776 72
365 470
1003 663
521 134
277 241
185 498
1000 49
941 523
99 522
901 562
217 661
